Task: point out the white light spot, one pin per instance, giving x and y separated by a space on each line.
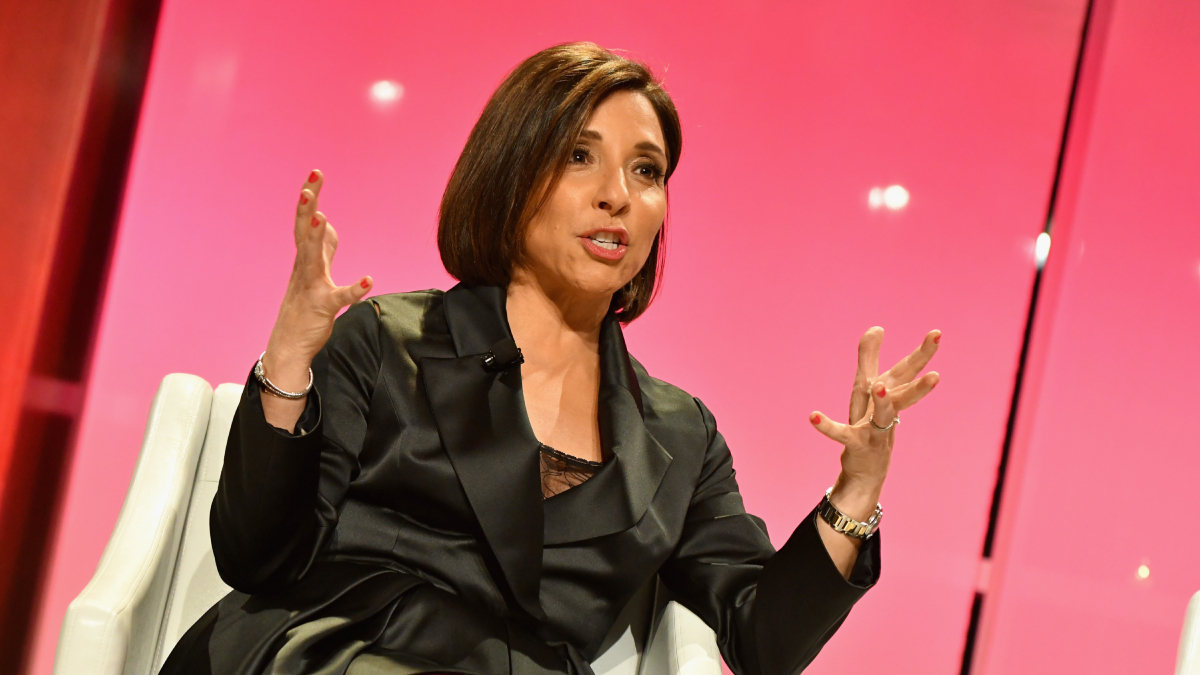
1042 249
386 92
1143 572
875 198
895 197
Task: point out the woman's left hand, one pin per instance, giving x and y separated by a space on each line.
867 450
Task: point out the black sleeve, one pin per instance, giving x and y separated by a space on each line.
279 494
772 612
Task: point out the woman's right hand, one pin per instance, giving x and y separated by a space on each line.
310 304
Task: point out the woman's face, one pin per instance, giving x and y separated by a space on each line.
595 230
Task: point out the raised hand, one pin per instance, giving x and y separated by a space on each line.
867 438
310 304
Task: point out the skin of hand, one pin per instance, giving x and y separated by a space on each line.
866 451
613 188
310 304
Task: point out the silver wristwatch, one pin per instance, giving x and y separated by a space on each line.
843 523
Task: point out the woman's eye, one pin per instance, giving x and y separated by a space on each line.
649 171
579 156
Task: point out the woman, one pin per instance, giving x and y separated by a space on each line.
479 480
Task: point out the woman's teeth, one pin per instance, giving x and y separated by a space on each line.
605 243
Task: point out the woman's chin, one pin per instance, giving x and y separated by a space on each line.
599 285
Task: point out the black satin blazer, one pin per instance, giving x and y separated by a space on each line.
402 527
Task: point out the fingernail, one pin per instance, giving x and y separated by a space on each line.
882 392
364 283
312 177
316 221
815 418
303 200
937 339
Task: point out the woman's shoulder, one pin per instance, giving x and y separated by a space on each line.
411 303
412 323
396 313
667 401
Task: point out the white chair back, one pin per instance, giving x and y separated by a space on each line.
197 585
113 625
1188 661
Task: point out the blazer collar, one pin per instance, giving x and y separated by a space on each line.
481 418
618 495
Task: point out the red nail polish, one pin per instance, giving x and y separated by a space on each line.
937 339
364 283
316 221
815 419
303 200
882 392
312 177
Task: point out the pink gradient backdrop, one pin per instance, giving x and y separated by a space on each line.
791 113
1107 474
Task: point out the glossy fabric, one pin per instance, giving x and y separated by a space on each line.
404 524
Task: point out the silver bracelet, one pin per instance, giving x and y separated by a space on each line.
276 391
843 523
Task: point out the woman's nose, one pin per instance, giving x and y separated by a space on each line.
613 193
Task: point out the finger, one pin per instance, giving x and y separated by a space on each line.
884 412
314 228
911 365
329 237
868 370
907 395
306 203
834 430
346 295
314 181
306 210
311 261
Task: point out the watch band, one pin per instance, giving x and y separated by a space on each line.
843 523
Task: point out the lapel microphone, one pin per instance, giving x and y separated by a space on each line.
503 355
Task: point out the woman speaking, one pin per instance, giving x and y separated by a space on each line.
478 481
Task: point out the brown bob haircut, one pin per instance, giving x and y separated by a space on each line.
518 151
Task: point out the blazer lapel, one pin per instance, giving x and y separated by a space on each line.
617 497
480 416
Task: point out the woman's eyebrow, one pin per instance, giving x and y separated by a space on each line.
645 146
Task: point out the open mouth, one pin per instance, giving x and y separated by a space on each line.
609 241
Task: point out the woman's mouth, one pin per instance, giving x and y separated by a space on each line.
606 244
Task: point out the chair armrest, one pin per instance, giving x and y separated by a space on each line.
1188 661
112 626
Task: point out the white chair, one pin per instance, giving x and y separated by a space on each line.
157 574
1188 661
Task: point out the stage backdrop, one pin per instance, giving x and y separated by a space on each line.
1098 552
784 243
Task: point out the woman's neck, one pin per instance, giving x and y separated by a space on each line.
559 335
552 324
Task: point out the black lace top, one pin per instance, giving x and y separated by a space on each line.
561 471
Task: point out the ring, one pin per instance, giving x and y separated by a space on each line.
895 420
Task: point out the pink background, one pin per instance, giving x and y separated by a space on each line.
1106 441
792 114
